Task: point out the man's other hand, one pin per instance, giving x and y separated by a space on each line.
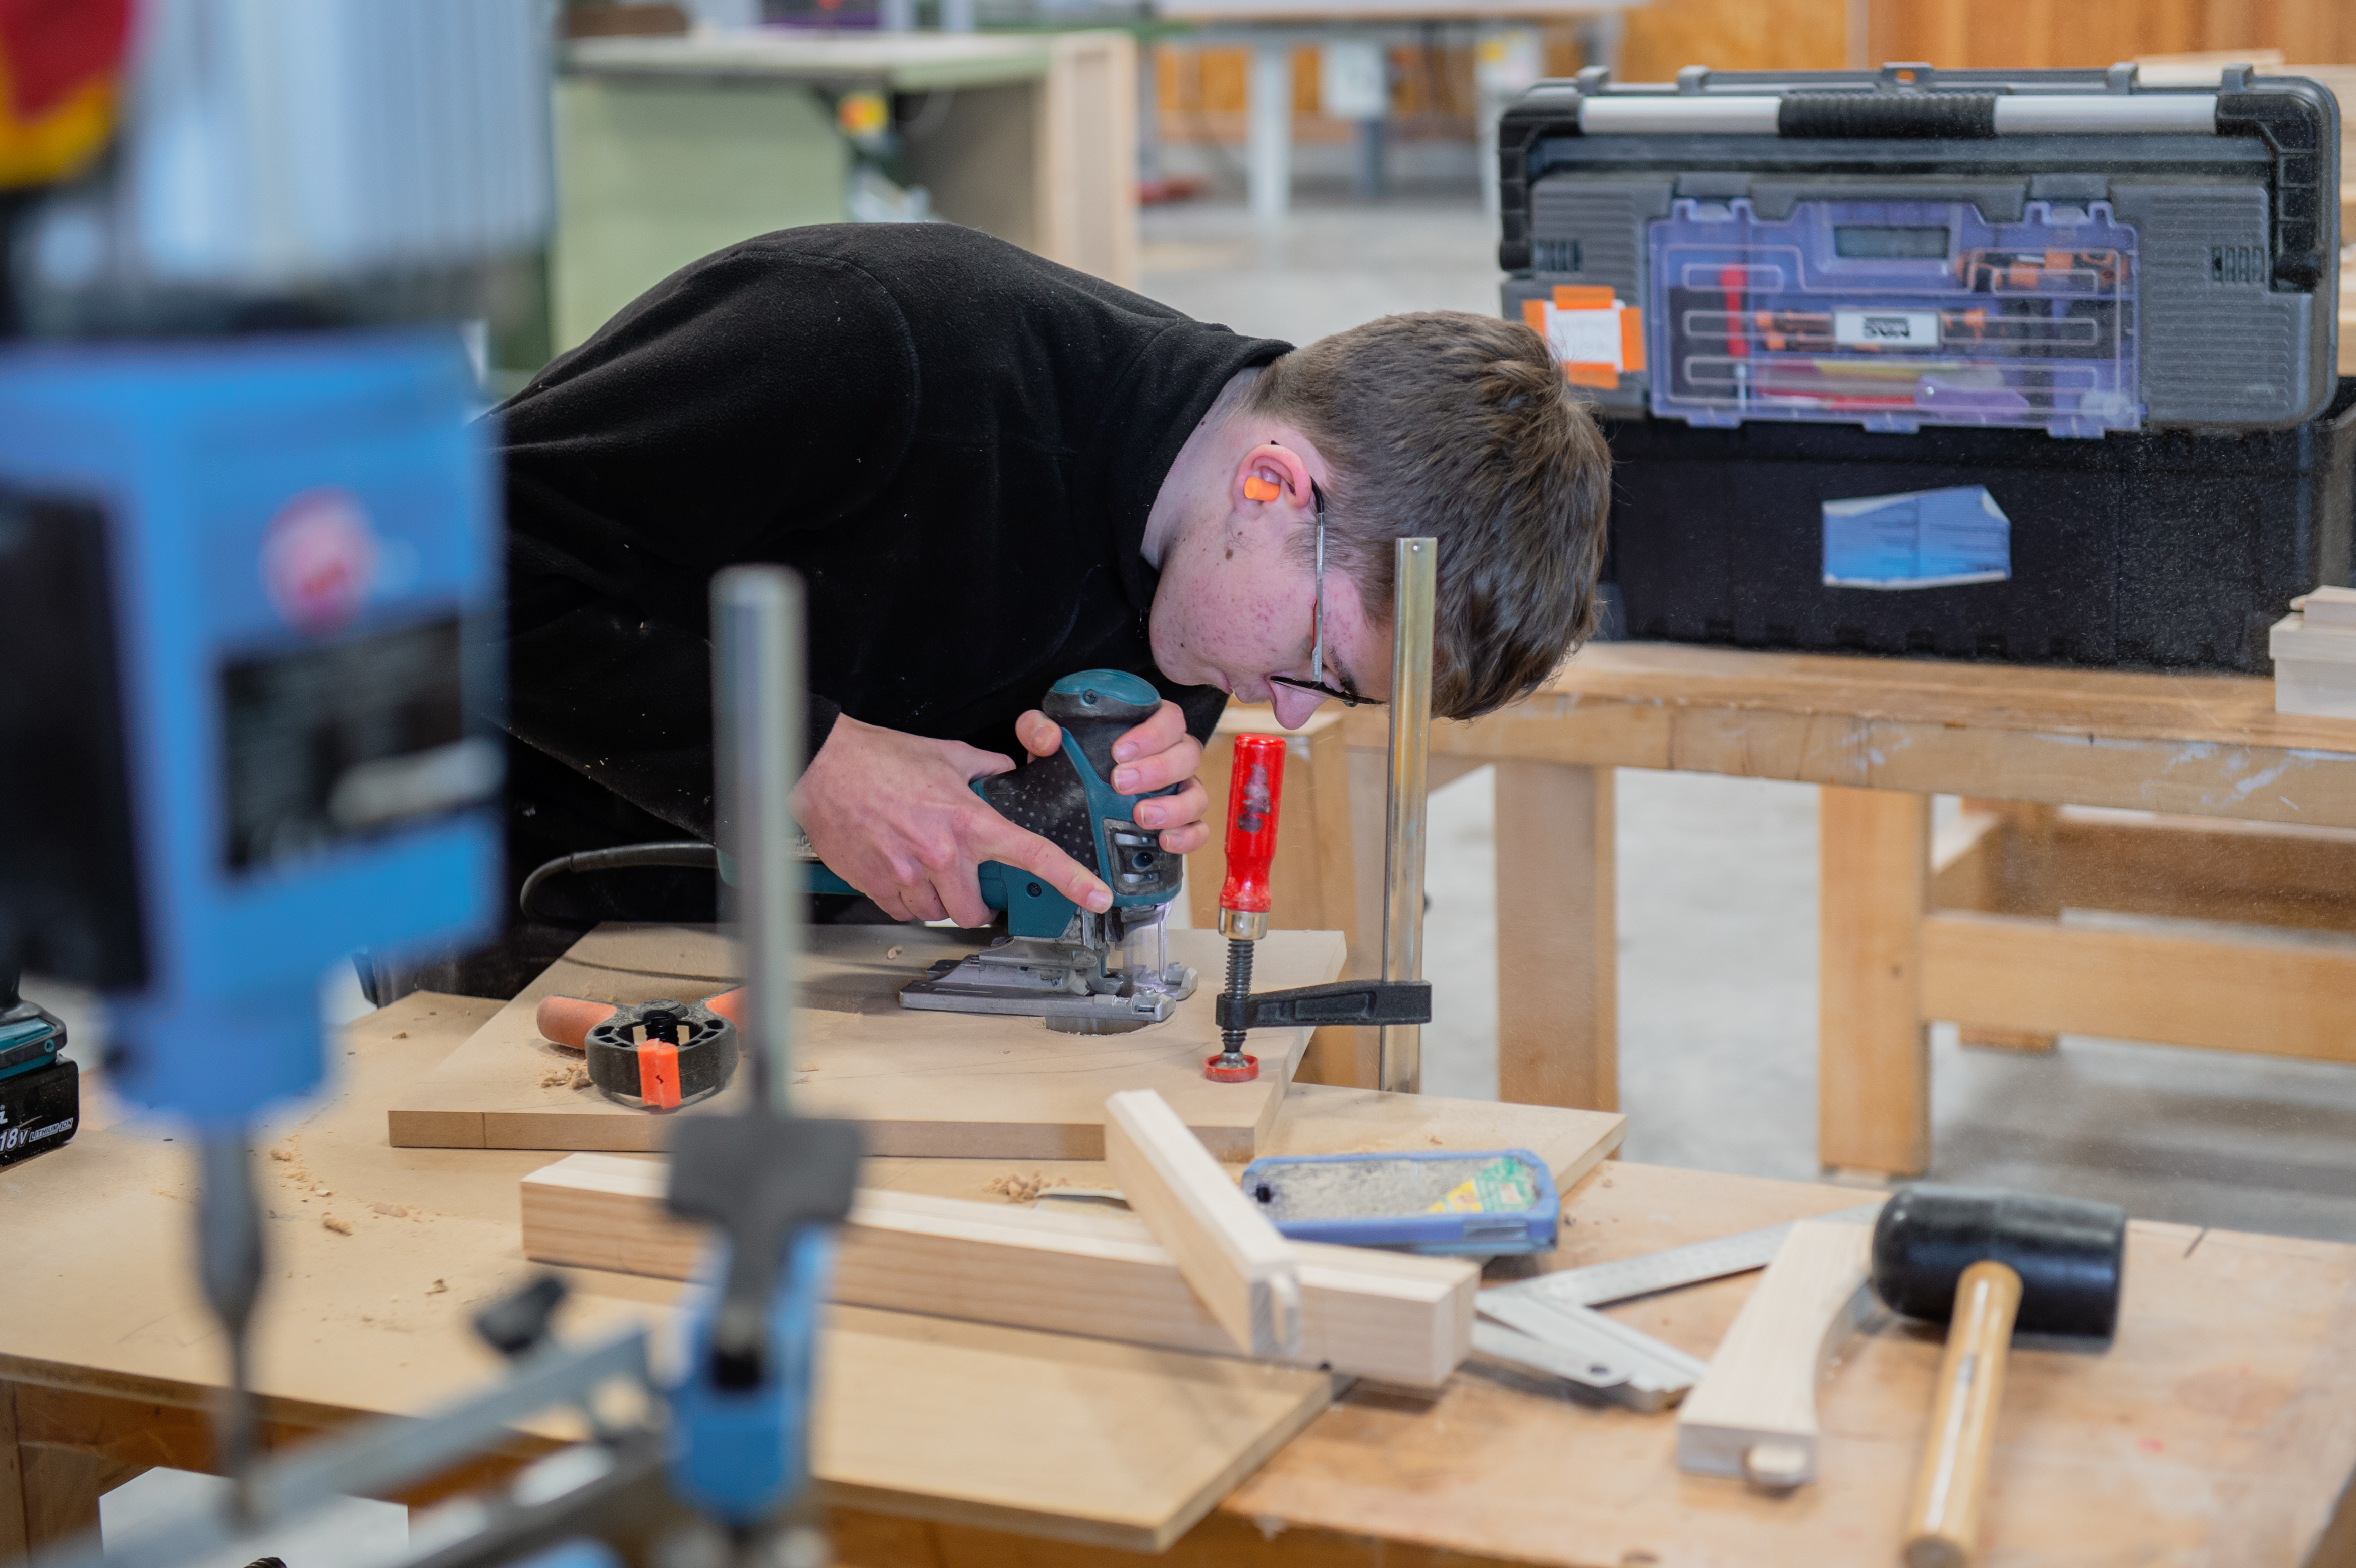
895 816
1157 752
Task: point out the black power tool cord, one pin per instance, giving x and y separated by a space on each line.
690 854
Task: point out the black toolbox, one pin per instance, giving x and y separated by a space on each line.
2032 365
2168 548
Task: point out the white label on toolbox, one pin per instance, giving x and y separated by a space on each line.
1890 328
1585 336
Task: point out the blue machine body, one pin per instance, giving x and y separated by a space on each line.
739 1454
1032 908
302 537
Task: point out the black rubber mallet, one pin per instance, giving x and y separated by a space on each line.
1985 1264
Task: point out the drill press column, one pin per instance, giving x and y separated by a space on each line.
1253 791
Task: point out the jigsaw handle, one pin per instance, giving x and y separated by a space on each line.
1254 788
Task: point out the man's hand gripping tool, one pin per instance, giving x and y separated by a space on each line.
1084 973
1255 790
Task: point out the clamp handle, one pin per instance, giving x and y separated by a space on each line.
1254 789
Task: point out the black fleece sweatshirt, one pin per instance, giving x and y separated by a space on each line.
954 441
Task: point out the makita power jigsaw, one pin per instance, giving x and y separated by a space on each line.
1084 973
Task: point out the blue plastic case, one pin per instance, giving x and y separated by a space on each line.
1287 1190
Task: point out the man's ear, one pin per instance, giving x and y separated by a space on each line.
1270 474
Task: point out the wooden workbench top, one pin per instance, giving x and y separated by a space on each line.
2219 1427
2207 745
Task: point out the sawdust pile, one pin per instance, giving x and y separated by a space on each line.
565 1078
1017 1188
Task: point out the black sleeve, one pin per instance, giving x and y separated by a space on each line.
759 391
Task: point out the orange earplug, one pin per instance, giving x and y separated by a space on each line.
1258 489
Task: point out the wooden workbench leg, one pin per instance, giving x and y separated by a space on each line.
1557 937
15 1539
2025 885
1873 1059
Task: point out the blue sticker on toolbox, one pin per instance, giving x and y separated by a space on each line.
1924 538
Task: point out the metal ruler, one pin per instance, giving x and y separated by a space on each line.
1549 1323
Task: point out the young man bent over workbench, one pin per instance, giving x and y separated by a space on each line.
991 471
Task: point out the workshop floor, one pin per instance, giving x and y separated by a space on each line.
1717 883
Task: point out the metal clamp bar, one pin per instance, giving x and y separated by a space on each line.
757 702
1406 802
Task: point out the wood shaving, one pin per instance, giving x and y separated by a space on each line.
341 1227
436 1289
401 1034
391 1210
323 1191
1018 1187
286 1154
565 1078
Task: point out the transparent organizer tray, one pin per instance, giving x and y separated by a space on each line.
1895 314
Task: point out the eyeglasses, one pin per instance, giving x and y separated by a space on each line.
1342 695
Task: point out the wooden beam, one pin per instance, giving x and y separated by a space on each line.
2200 744
2271 995
1873 1061
1754 1415
1557 937
1234 1258
1389 1316
2023 883
2202 868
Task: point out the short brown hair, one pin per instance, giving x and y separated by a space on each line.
1462 428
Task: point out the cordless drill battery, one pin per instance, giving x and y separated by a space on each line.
40 1096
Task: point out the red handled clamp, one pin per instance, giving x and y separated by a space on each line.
1254 789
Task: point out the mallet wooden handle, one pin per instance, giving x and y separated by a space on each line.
1943 1523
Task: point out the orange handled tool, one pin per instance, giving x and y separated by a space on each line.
1254 789
567 1020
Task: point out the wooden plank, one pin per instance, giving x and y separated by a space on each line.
1557 937
1754 1415
1401 1319
2195 744
2249 873
920 1083
2271 995
1234 1260
973 1423
1873 1059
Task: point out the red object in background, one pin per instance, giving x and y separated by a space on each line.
1254 789
1171 188
49 47
60 61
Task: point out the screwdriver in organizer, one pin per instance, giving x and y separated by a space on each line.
1253 790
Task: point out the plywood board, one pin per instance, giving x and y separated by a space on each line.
1075 1439
1059 1267
931 1084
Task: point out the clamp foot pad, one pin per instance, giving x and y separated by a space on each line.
1220 1070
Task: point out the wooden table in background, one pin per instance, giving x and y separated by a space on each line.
1883 736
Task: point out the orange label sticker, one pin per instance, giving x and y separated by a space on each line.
1597 339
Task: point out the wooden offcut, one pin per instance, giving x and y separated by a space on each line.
1234 1260
1400 1319
1754 1415
934 1084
